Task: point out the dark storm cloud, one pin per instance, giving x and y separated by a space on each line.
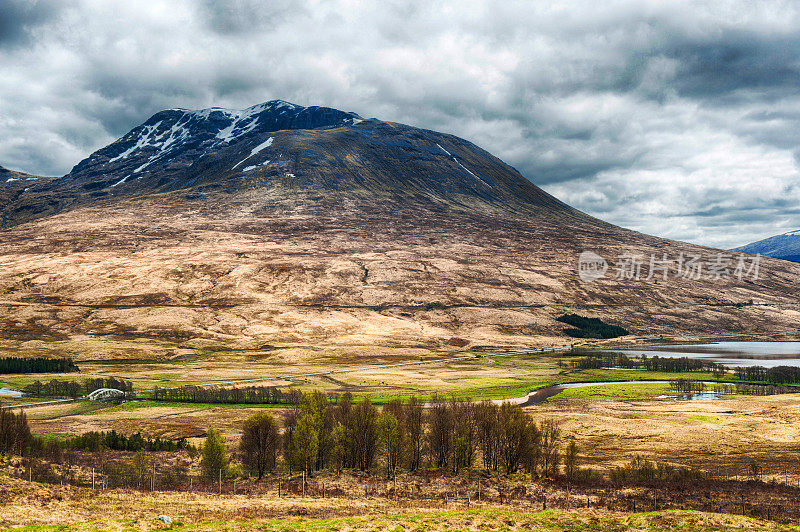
675 118
19 19
736 62
247 16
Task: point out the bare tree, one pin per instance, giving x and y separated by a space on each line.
362 430
512 436
487 420
464 416
392 440
551 458
415 430
440 432
571 458
259 443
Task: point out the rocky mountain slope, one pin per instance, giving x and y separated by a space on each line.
286 225
785 246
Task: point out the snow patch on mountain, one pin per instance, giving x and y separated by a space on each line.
253 167
470 172
144 140
121 181
255 150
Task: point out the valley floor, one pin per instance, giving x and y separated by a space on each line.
611 424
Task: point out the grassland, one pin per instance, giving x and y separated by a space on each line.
474 520
33 506
478 378
611 424
614 392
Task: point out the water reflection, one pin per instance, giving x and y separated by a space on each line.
766 354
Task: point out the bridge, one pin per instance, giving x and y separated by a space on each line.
106 394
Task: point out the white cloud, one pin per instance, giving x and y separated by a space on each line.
675 118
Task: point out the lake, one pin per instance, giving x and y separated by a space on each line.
767 354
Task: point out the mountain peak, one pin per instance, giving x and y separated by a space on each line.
180 136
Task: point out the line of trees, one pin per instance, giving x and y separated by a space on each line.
776 375
745 388
260 395
64 388
113 440
445 434
742 388
37 365
655 363
687 386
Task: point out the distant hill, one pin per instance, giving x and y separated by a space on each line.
785 246
13 185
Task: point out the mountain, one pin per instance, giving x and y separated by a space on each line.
307 226
785 246
281 145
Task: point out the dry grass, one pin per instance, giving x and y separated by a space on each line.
40 506
714 435
149 278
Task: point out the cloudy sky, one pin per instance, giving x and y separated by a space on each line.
680 119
